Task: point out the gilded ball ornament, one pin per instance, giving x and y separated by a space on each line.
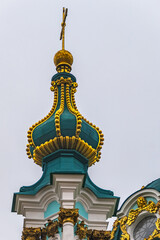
63 57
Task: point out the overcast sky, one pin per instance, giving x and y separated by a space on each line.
116 50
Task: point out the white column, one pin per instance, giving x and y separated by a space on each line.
68 231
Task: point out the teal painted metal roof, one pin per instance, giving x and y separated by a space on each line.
154 185
99 192
64 162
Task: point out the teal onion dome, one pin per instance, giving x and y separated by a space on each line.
64 127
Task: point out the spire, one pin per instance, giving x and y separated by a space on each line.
63 59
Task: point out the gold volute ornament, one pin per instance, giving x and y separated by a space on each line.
68 215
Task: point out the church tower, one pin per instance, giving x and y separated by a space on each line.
64 203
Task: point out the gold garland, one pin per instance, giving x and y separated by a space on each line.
64 143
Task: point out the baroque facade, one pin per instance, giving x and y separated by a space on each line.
64 203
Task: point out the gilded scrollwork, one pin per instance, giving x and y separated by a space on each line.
98 235
126 221
81 230
31 233
125 235
43 233
142 206
68 215
115 227
51 228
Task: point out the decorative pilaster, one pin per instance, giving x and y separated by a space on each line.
31 233
68 218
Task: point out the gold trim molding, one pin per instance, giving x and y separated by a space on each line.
64 143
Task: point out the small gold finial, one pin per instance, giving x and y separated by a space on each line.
63 59
63 24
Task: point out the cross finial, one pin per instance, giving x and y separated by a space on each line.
65 10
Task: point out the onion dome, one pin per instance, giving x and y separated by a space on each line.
64 127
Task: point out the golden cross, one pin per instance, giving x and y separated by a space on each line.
65 10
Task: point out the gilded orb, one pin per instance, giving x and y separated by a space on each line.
63 60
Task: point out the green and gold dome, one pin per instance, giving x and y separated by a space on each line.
64 127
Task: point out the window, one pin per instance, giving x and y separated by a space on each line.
144 228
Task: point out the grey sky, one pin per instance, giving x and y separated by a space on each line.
116 50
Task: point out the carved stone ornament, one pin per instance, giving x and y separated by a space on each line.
31 234
81 230
51 228
68 215
98 235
